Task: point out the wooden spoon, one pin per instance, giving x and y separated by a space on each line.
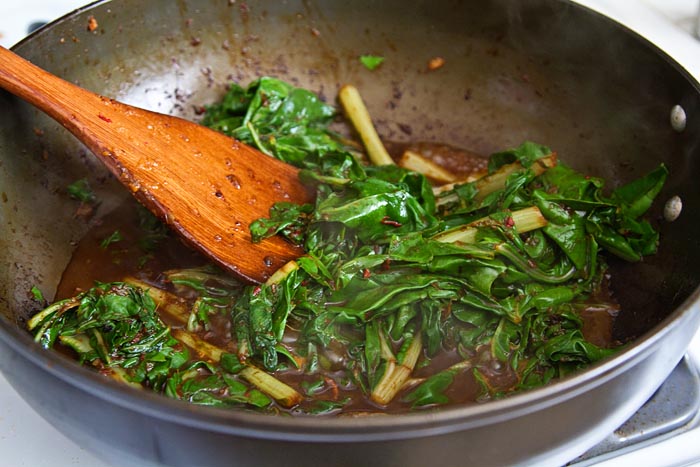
206 186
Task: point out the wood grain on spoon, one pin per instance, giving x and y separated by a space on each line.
205 185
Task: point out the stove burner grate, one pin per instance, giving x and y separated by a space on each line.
672 410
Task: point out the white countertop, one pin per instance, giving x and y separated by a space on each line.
667 23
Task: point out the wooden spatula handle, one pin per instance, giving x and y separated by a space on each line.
61 100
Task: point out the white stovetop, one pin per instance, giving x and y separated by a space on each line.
27 440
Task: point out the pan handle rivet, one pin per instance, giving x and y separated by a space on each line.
678 118
673 208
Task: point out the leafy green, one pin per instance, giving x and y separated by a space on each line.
527 153
384 286
286 219
81 191
636 197
372 233
122 327
277 118
371 62
116 327
37 294
432 391
114 237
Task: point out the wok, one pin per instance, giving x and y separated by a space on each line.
547 71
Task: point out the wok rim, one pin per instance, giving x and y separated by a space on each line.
325 429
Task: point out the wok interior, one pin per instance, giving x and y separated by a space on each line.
544 71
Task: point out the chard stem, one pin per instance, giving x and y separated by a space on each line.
202 347
524 220
496 181
285 395
58 307
79 342
413 161
256 139
120 375
280 274
357 112
397 373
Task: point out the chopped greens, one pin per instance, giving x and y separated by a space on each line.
408 293
114 237
37 294
278 119
81 191
371 62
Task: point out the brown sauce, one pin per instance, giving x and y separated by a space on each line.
458 161
93 261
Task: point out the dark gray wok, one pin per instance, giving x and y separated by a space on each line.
548 71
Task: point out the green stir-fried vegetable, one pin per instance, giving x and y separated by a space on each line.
405 292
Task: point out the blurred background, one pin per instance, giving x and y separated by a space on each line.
667 23
16 16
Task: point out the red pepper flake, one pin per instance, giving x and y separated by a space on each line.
106 119
333 387
366 273
386 220
509 222
386 264
256 291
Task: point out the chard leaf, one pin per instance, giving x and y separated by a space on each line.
526 154
636 197
567 229
432 390
291 123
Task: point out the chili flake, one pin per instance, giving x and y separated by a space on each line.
386 264
386 220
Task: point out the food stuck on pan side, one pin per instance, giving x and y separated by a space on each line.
441 279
